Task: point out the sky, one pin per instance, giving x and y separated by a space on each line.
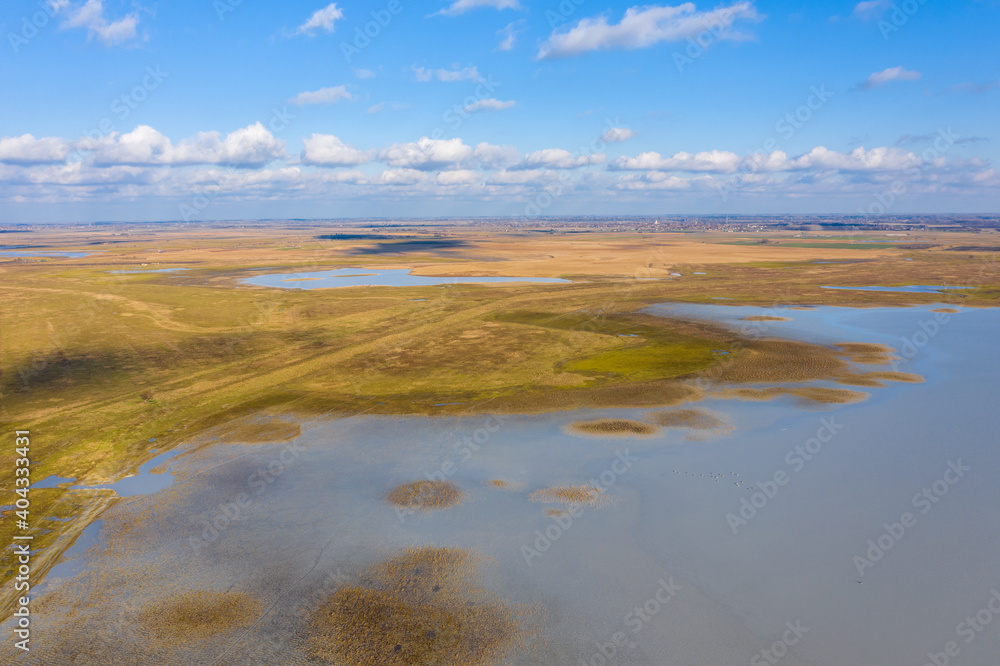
114 110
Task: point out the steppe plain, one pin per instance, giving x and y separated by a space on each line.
109 360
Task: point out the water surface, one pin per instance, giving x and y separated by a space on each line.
382 277
314 507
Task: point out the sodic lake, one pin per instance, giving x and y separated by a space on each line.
364 277
859 534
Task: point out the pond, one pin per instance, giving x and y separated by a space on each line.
909 289
15 251
365 277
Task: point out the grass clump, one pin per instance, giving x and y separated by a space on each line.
425 495
613 428
423 607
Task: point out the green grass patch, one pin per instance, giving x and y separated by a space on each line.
656 353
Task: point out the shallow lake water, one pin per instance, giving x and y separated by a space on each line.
16 251
278 520
906 289
366 277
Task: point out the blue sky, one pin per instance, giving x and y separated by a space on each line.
239 109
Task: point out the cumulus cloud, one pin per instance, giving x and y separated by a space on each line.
362 73
90 16
859 159
489 104
447 75
492 157
26 149
323 96
817 159
520 177
461 6
426 154
657 180
716 161
558 158
458 177
322 19
879 79
617 134
401 177
329 150
252 146
644 26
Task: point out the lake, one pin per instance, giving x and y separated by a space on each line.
674 560
364 277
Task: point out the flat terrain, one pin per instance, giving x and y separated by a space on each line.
104 367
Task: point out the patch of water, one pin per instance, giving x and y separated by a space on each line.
384 277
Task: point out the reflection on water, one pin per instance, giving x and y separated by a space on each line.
382 277
671 559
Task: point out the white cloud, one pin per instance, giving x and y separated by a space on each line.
26 149
491 157
644 26
328 150
90 16
489 104
859 159
381 106
816 160
252 146
428 154
879 79
716 161
509 35
458 177
323 96
401 177
447 75
617 134
322 19
521 177
558 158
657 180
870 8
364 73
462 6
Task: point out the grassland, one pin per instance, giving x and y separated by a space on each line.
104 367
